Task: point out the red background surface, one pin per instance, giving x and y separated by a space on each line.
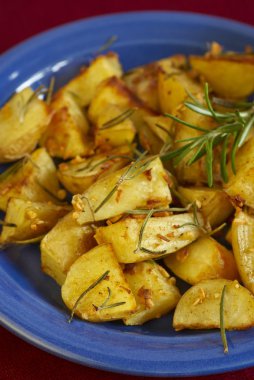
18 21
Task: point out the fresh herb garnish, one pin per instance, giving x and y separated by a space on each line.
222 325
118 119
136 168
105 304
235 125
89 167
50 90
82 295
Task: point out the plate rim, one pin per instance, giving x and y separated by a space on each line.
9 54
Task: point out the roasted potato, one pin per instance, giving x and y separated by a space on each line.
240 186
63 245
242 236
199 307
84 85
113 129
25 220
230 75
33 178
67 134
161 236
155 291
23 119
80 173
215 204
127 189
109 299
203 259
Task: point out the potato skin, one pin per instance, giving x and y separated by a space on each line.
199 307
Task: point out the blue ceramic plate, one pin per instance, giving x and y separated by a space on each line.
30 303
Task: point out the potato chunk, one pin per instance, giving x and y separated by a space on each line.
215 204
161 236
80 173
23 119
147 189
63 245
230 76
33 178
84 85
116 133
110 299
199 307
30 219
154 290
242 236
67 133
240 187
143 80
172 88
203 259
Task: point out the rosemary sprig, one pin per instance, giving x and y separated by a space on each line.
6 224
109 42
136 168
105 304
50 89
232 125
222 326
91 167
118 119
141 233
82 295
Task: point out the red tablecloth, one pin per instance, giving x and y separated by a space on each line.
20 20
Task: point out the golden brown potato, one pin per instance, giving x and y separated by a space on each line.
215 204
203 259
127 189
240 187
33 179
161 236
113 92
80 173
199 307
63 245
230 75
30 219
84 85
113 130
172 89
23 119
143 80
154 290
67 133
242 236
110 299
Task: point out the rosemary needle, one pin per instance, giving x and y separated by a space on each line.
222 325
235 125
82 295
